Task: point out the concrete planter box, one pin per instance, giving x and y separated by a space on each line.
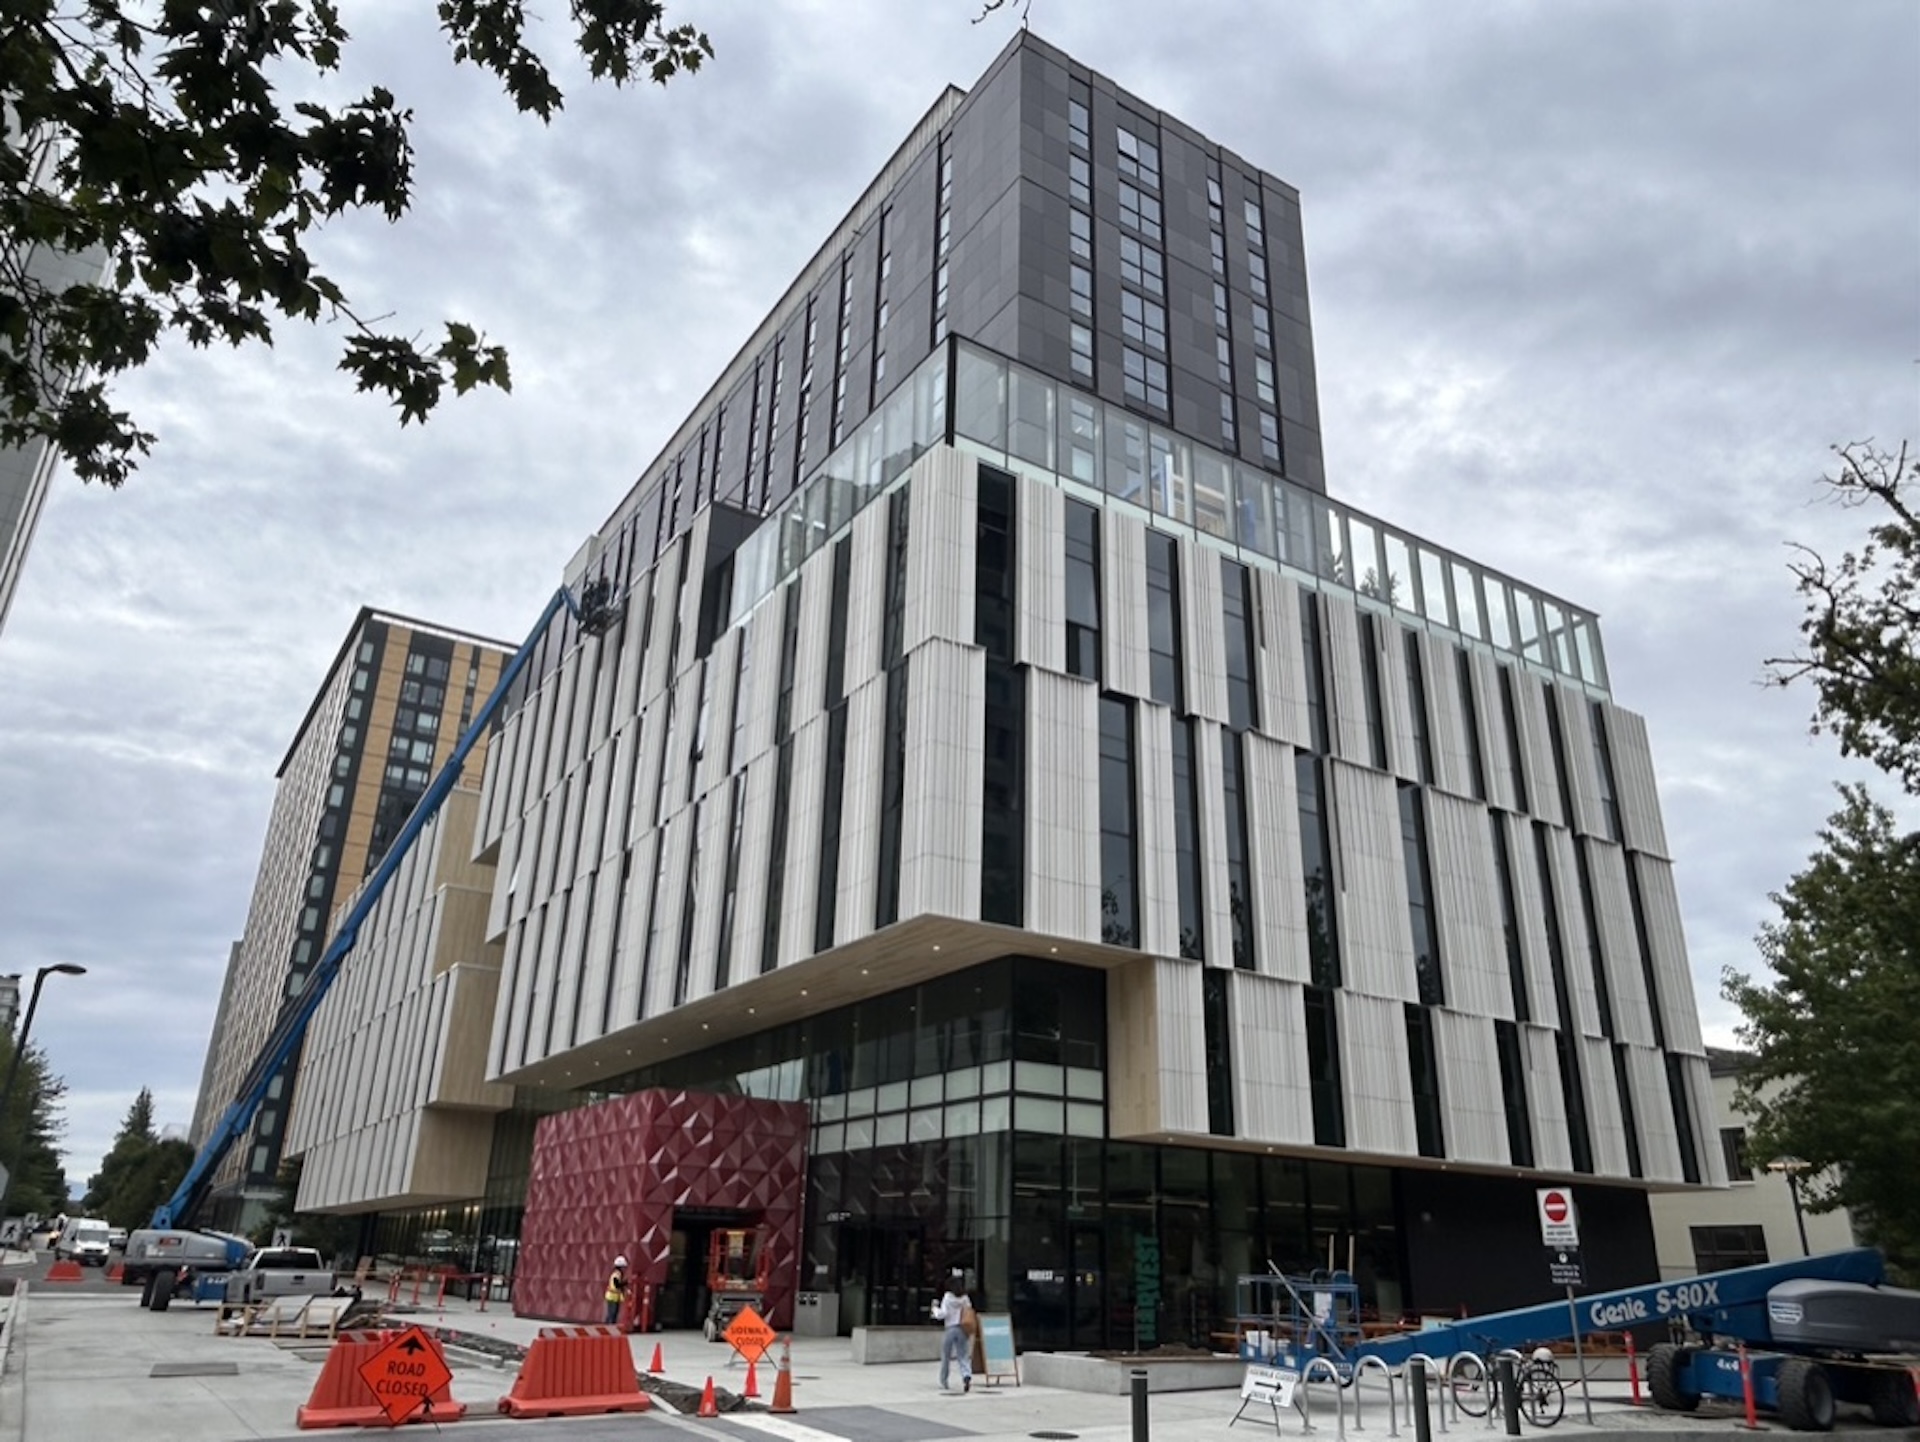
1110 1376
874 1345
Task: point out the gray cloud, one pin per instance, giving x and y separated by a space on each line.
1594 287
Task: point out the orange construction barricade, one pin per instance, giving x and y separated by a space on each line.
573 1371
342 1396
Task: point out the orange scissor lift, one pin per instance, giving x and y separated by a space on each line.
736 1276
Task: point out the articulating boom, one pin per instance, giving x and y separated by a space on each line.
595 610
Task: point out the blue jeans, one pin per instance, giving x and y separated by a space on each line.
954 1348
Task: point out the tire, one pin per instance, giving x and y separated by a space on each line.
1543 1396
162 1296
1664 1366
1806 1395
1892 1400
1470 1384
146 1290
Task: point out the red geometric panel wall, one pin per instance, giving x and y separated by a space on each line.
606 1180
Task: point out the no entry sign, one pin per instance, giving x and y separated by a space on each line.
1558 1225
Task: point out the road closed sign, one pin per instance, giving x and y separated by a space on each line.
406 1375
1559 1227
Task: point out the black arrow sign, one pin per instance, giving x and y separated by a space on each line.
413 1344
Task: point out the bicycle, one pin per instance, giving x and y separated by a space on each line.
1541 1392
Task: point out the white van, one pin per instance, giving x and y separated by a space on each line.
84 1240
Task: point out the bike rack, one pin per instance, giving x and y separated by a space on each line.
1486 1371
1436 1372
1306 1403
1393 1419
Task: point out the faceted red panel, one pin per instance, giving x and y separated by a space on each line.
607 1178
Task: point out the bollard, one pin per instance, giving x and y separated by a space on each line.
1519 1360
1417 1399
1137 1380
1509 1387
1433 1369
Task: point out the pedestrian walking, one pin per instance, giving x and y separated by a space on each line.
616 1290
954 1311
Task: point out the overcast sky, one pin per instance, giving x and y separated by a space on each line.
1594 287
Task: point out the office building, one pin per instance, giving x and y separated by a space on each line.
1017 780
394 701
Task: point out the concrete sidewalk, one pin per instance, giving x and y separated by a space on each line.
85 1365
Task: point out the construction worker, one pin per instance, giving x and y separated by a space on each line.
616 1290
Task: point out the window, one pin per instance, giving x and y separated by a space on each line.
1229 431
1143 320
1186 836
1083 590
1733 1146
1119 881
1080 281
1263 380
1424 1072
1077 124
1219 245
1082 341
1323 1067
1139 211
1270 439
1223 359
1716 1249
1214 211
1145 378
1262 328
1216 1021
1219 306
1079 179
1139 159
1420 918
1256 227
1141 265
1081 241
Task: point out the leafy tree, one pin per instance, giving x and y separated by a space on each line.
139 1171
30 1135
1836 1076
194 148
1862 624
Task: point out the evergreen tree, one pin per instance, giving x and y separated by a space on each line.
30 1135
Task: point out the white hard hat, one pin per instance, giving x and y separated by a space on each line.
619 1261
1543 1354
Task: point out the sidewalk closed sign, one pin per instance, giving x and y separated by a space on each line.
1272 1386
1559 1227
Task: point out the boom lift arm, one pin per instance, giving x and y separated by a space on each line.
595 610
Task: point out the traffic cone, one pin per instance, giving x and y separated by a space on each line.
753 1382
707 1407
783 1384
656 1366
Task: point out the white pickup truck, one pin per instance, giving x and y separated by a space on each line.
279 1272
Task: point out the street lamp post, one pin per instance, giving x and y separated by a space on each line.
64 968
1792 1167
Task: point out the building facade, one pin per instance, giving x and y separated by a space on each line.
26 472
394 702
1143 867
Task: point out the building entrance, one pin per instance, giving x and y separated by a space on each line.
883 1277
685 1298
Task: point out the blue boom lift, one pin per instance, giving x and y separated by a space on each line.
1814 1329
595 610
